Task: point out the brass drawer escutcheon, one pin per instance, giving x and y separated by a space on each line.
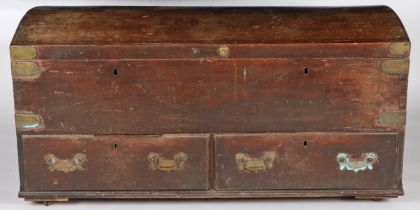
157 162
265 162
364 162
67 165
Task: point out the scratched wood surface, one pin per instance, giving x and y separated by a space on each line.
302 161
131 25
202 51
116 162
111 75
184 96
306 161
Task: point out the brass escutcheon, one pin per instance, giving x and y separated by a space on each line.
223 51
66 165
364 162
157 162
265 162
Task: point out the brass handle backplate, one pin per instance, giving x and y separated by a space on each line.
263 163
157 162
65 165
364 162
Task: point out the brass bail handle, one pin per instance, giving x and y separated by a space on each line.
349 162
244 162
75 163
157 162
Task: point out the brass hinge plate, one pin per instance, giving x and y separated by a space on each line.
400 49
396 66
25 70
22 52
393 118
27 121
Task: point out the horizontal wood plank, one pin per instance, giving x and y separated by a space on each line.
187 96
137 25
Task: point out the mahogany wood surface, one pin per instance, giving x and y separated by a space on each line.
112 85
137 25
186 96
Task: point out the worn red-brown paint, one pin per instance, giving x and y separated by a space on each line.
116 162
304 161
184 96
150 79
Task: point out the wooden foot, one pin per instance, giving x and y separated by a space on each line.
370 198
47 202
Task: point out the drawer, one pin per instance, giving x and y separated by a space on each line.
71 162
307 161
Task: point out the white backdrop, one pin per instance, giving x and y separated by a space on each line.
10 15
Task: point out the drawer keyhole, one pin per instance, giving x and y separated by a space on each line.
306 72
116 72
115 146
305 144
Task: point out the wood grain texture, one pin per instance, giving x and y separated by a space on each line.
138 25
306 161
201 52
155 96
209 194
109 168
118 83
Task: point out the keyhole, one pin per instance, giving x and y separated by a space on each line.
115 146
305 144
116 72
306 72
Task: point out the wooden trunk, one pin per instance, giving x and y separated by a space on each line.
151 102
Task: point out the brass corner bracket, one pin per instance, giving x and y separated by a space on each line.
395 66
393 118
25 70
22 52
27 121
400 49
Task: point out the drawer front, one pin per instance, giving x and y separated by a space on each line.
307 161
225 95
65 162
